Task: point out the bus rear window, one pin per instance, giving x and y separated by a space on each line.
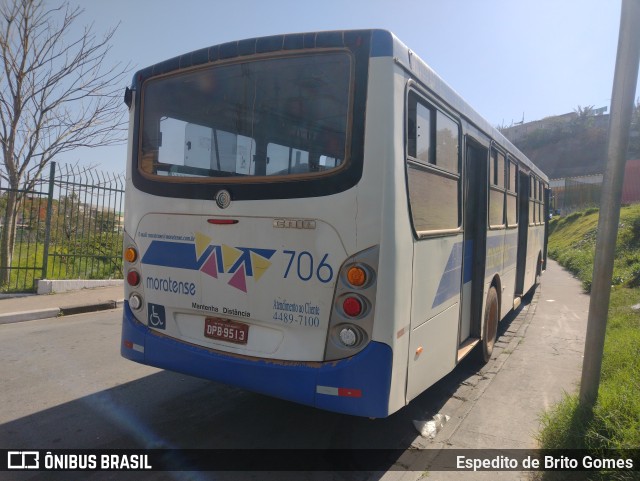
271 117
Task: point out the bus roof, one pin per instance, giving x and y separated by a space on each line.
383 43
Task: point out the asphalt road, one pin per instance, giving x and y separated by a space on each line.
63 385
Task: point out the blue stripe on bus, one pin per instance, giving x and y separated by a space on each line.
501 251
468 261
368 371
450 281
511 246
175 254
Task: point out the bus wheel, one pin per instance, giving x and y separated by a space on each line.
490 326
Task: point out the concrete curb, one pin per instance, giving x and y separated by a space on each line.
84 308
11 317
46 286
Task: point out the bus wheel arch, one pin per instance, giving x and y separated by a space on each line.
490 323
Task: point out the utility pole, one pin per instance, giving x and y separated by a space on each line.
622 100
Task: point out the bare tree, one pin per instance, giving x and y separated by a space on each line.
56 94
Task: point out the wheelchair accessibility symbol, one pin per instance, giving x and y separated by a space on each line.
156 316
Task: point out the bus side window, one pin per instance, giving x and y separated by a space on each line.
512 194
497 189
532 202
419 131
447 142
423 134
433 159
541 202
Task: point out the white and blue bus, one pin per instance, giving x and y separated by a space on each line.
320 218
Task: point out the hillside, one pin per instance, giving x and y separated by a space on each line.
572 242
571 145
571 155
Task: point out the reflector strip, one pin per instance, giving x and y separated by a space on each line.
338 391
329 391
344 392
403 331
135 347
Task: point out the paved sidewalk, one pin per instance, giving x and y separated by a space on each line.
31 307
535 361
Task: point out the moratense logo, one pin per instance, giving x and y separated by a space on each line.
213 260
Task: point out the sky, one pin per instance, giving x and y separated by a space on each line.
511 60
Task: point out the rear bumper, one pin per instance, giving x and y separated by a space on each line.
358 385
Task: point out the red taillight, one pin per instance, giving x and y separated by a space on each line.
352 306
133 278
222 221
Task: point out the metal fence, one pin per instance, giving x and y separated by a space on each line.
576 195
69 226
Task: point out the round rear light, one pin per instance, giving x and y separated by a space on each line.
357 276
348 337
133 278
352 306
135 302
130 254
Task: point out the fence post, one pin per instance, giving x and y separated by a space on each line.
47 226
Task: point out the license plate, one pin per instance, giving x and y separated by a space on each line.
226 330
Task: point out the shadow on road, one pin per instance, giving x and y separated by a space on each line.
169 410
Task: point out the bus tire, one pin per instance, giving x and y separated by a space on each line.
490 328
538 270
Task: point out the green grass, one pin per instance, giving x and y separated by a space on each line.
573 239
85 259
614 422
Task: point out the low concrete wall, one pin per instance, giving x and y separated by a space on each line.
48 287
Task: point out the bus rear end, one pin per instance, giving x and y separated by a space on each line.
242 259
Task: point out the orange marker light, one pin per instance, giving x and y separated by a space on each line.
356 276
130 254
